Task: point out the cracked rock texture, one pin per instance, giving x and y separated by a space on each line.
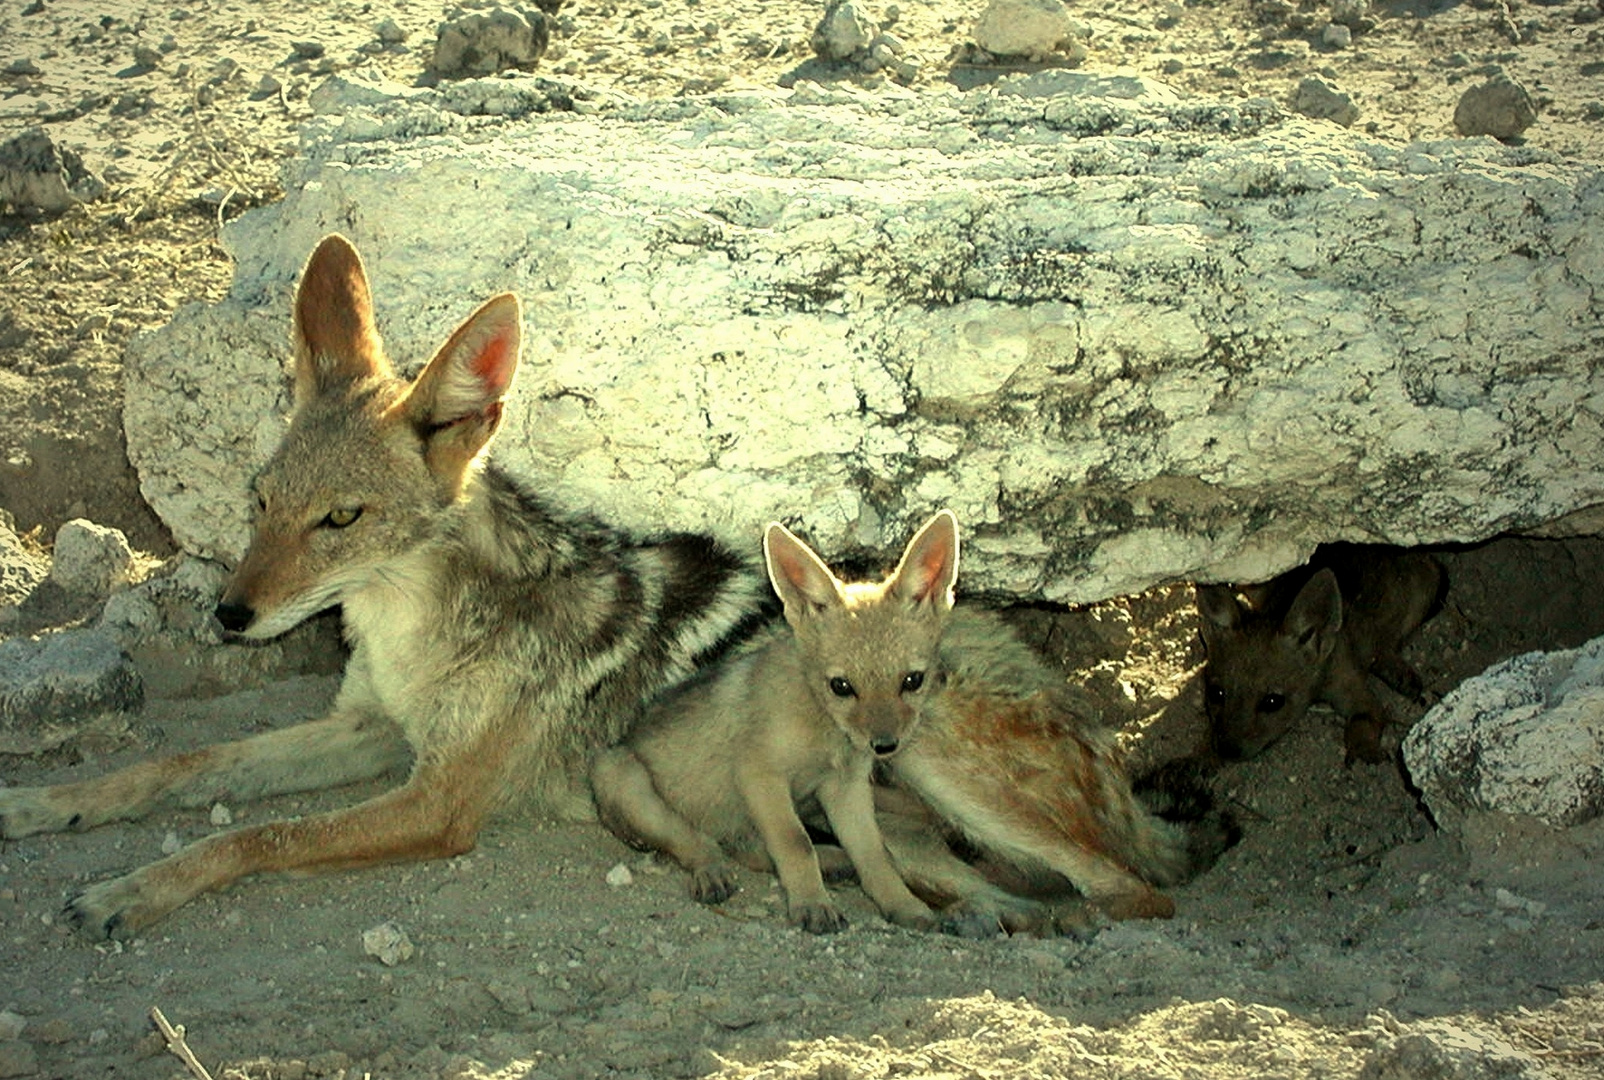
1524 737
1126 337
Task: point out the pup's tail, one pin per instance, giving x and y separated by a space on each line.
1188 833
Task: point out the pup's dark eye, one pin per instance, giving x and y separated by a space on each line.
1271 702
339 519
841 688
1215 694
912 681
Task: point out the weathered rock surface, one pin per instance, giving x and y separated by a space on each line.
21 568
1125 337
1028 28
1439 1050
89 558
1500 107
1524 737
36 174
476 44
843 32
75 677
1319 100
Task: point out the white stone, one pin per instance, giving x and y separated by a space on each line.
90 559
389 943
1089 296
1524 737
1033 28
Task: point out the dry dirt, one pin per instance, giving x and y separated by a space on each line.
1341 927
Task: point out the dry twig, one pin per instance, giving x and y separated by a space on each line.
176 1044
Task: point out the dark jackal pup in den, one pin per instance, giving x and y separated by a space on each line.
496 641
719 767
978 739
1314 634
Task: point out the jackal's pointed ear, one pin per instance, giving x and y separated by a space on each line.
336 340
1220 610
455 403
929 567
1315 616
804 584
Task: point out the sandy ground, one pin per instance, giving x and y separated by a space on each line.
1345 936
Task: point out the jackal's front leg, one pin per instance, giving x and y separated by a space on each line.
848 802
436 814
344 747
768 800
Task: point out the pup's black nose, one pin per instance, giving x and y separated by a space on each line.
235 617
884 747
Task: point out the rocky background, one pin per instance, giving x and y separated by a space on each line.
1434 302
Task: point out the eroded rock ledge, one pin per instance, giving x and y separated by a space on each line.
1126 337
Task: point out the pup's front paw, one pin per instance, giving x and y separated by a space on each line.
818 918
713 884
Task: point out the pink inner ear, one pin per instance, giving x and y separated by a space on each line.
493 362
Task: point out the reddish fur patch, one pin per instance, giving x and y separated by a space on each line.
1034 770
494 358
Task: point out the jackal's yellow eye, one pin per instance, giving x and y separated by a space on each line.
339 519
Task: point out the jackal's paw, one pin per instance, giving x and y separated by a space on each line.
984 919
1077 919
818 918
1362 741
25 811
713 884
964 921
920 918
1141 903
118 908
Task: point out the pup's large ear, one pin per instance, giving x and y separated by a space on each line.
335 338
1315 618
1221 611
804 584
929 567
455 403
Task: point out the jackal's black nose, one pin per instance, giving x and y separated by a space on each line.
234 617
883 747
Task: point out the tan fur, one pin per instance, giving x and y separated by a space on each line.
496 641
721 766
1018 763
1314 634
994 747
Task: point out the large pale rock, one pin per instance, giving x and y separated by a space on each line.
1524 737
1125 337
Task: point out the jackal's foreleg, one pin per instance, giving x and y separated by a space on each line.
344 747
437 813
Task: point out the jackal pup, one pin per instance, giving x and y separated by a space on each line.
719 767
496 641
1020 766
1314 634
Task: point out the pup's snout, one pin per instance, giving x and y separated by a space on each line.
235 617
